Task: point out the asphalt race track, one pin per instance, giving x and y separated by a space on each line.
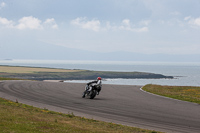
121 104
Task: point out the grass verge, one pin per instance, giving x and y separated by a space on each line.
3 78
17 117
185 93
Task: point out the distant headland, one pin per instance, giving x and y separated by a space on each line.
39 73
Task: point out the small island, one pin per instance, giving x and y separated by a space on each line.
38 73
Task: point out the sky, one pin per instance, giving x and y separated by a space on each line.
44 29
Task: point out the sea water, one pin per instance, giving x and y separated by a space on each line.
185 73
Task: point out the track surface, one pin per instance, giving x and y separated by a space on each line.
121 104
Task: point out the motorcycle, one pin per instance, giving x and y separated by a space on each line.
90 91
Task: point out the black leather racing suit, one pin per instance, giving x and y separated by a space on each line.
98 85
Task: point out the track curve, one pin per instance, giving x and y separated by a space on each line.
123 104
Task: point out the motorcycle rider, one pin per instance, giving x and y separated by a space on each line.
97 85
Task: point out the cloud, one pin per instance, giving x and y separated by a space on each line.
51 23
3 4
126 25
95 25
173 22
143 29
193 22
187 18
126 22
29 22
145 22
7 23
90 25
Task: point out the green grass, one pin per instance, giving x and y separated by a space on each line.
25 70
20 118
3 78
185 93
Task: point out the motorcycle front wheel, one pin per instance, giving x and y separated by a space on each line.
93 94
